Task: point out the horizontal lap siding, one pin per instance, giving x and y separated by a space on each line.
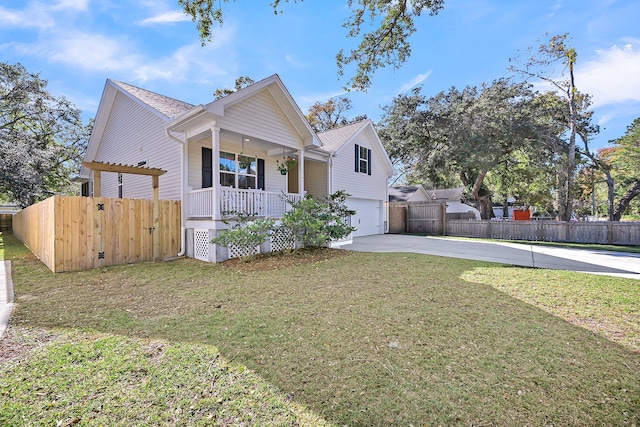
315 178
261 117
360 185
132 134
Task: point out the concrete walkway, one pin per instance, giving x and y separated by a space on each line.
597 262
6 295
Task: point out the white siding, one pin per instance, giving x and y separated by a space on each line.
357 184
260 116
131 135
315 178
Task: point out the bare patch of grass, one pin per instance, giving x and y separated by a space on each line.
367 338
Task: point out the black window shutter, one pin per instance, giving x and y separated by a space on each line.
369 162
357 158
207 168
261 174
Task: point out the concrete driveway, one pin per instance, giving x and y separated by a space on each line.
596 262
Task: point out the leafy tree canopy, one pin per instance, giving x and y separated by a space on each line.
469 131
241 83
42 138
386 45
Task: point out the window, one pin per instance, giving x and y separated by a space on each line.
363 159
236 170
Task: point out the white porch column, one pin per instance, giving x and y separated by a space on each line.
215 166
301 172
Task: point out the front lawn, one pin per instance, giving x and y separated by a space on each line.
357 338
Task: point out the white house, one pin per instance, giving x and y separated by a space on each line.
450 196
222 157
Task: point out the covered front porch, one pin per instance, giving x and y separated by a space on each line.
234 201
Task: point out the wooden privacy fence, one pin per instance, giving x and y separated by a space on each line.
417 217
76 233
5 222
615 233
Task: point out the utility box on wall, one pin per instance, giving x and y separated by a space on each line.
519 215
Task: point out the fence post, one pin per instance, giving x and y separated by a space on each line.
156 219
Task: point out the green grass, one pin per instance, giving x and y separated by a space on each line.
364 339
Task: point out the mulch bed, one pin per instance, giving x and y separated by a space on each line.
284 259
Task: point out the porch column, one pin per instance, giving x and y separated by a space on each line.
215 166
301 172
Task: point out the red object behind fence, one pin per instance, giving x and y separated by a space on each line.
521 215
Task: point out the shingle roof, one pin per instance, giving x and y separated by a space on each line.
335 138
451 194
401 194
169 107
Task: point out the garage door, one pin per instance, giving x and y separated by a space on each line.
367 217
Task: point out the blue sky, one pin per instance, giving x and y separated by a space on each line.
77 44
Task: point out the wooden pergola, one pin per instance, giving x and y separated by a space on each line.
98 167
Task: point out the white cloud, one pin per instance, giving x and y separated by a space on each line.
306 101
612 77
291 60
70 4
34 16
166 18
414 82
84 50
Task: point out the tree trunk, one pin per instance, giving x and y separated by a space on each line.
561 195
624 201
571 170
482 198
611 194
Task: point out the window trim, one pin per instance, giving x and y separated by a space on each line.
361 150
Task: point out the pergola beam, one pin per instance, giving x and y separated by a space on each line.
119 168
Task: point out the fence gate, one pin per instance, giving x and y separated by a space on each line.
417 217
397 218
5 222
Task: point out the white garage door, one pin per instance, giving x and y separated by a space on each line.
367 217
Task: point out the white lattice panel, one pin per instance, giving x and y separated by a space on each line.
281 239
201 244
238 251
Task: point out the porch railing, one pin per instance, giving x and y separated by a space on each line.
233 200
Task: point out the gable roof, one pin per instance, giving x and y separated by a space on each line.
334 139
168 107
450 194
199 115
405 192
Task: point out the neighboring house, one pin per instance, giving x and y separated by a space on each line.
451 196
222 157
408 193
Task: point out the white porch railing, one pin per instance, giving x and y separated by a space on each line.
232 200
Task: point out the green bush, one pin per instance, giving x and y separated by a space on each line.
315 223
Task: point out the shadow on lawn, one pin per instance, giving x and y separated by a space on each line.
368 339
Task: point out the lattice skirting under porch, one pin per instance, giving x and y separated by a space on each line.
281 239
239 251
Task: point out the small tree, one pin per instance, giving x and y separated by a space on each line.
316 223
